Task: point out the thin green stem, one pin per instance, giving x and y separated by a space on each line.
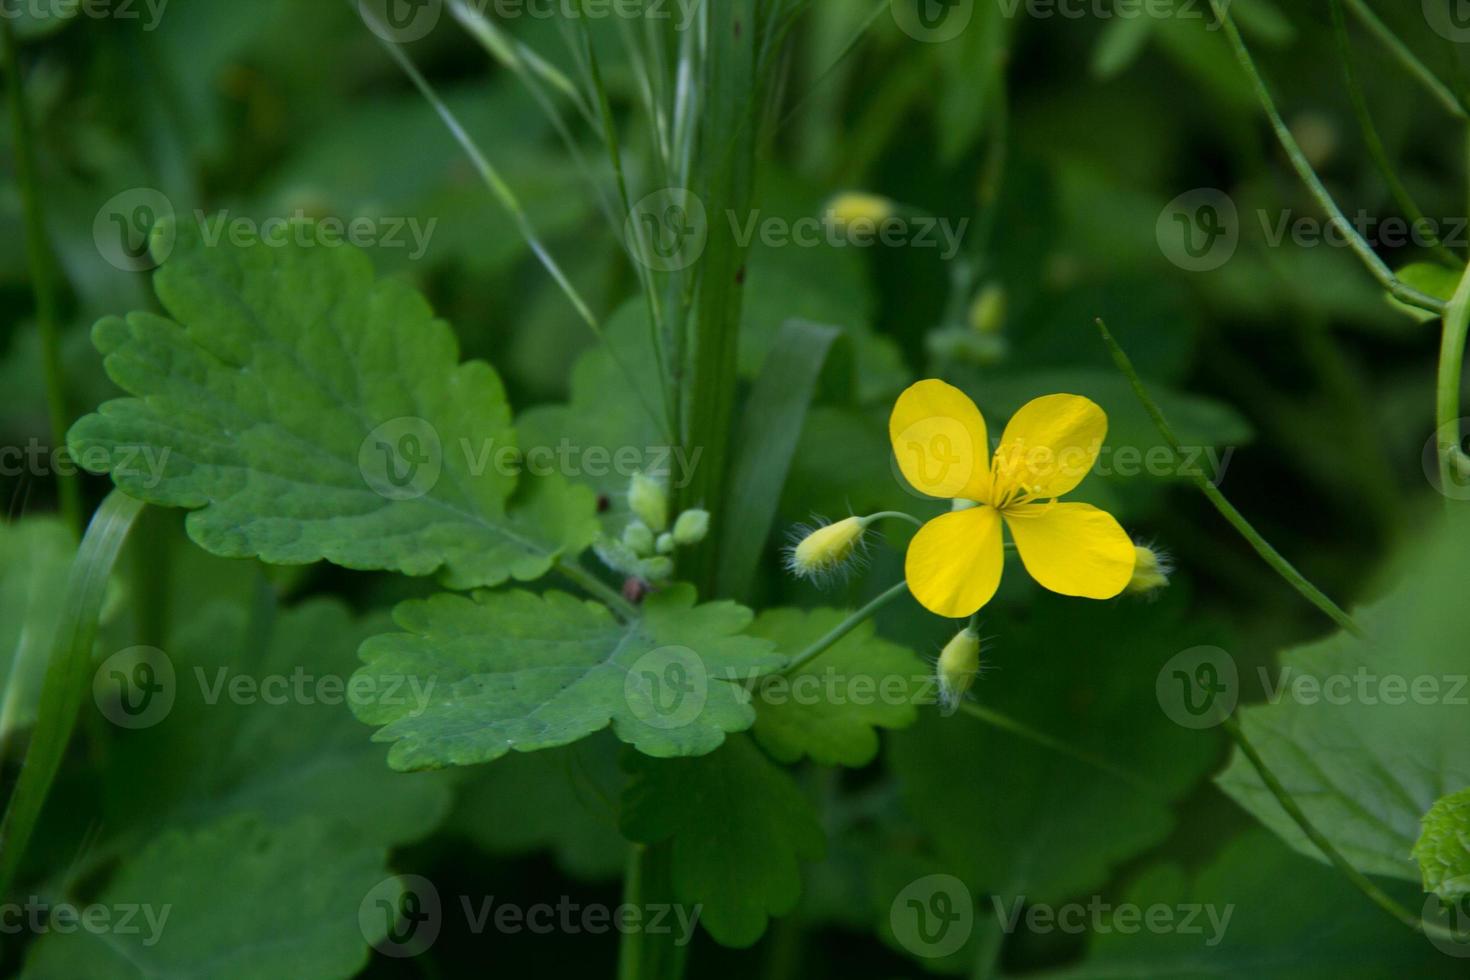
1452 459
630 944
598 589
894 515
1359 245
836 634
1263 548
1361 881
1374 141
1453 104
1007 724
42 268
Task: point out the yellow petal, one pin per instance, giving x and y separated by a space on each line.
954 562
1074 549
940 442
1049 446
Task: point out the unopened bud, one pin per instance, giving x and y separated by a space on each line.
959 662
846 210
1151 571
658 569
648 499
639 539
691 528
828 548
988 312
665 543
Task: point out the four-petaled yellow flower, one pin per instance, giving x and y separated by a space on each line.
954 562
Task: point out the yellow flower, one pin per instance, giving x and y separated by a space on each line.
954 563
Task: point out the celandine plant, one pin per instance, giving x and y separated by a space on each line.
630 626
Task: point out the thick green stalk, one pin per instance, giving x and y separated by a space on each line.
43 270
729 137
646 883
1263 548
1452 459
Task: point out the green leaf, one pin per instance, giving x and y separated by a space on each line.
527 672
831 708
768 433
1256 910
260 723
739 827
237 900
35 560
1443 848
303 411
1368 733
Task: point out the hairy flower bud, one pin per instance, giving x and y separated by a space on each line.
1150 571
825 550
638 537
959 662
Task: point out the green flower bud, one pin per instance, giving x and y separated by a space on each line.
639 539
691 528
659 569
649 501
666 543
988 312
959 662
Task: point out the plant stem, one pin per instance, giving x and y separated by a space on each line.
1448 387
598 589
1409 60
1263 548
895 515
43 271
1360 247
643 955
1361 881
1375 142
1007 724
843 628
